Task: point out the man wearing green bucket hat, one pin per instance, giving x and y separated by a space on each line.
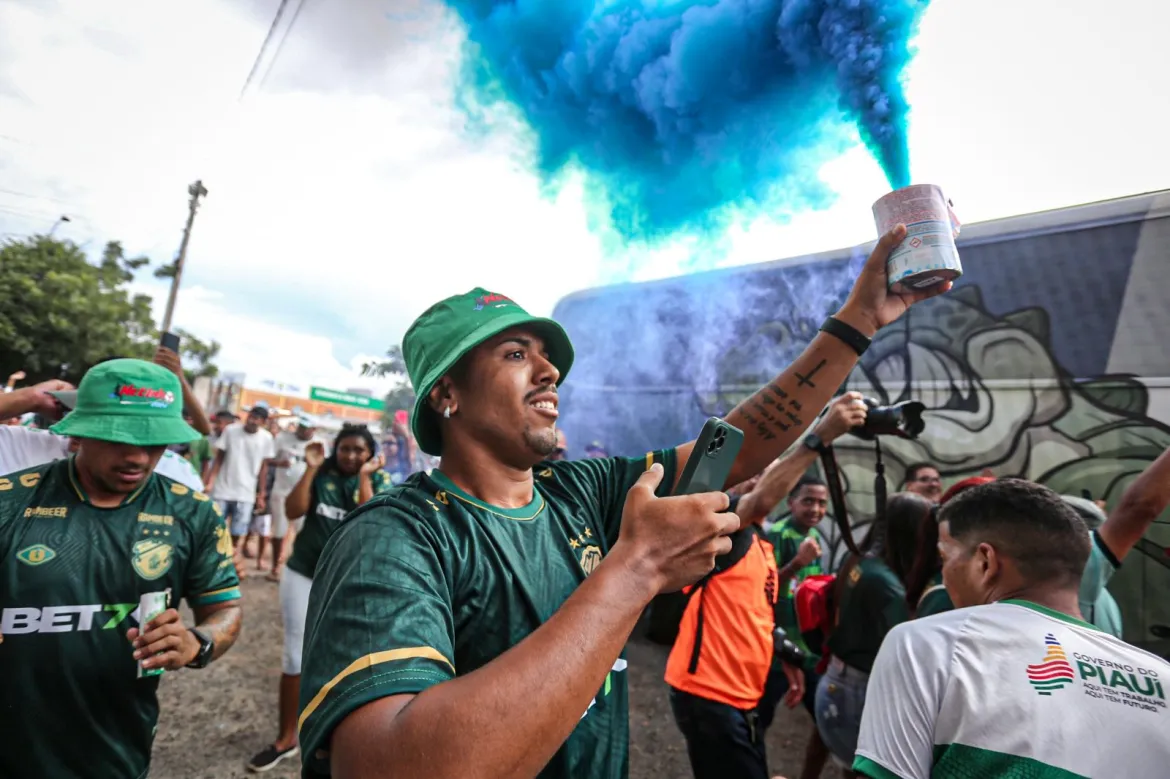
472 621
83 541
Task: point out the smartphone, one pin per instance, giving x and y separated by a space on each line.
400 417
710 462
170 341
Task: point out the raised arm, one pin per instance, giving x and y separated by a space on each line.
544 685
296 505
843 414
173 363
777 414
34 399
1141 504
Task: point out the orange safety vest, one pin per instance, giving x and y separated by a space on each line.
724 646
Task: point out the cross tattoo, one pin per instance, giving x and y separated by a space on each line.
805 380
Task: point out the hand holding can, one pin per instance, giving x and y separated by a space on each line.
928 255
150 605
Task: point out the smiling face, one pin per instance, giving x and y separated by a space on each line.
503 396
808 504
925 481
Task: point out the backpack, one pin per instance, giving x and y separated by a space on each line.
816 601
815 610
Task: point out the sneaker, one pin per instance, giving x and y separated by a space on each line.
269 758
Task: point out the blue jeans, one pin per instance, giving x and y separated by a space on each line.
840 699
238 516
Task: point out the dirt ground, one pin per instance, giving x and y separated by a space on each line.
213 720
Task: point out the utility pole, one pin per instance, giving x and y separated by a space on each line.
196 191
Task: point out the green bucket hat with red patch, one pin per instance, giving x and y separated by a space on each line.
127 402
451 328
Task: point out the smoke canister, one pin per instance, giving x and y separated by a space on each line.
928 255
150 605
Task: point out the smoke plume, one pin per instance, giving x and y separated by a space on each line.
683 111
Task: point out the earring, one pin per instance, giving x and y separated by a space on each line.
447 413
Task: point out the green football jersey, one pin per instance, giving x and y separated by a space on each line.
786 538
873 601
71 575
331 497
426 583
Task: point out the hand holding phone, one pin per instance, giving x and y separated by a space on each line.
675 540
712 458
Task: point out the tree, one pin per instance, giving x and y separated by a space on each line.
61 314
401 394
198 356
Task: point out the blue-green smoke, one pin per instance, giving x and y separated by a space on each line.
676 109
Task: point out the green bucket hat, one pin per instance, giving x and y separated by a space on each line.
127 402
453 327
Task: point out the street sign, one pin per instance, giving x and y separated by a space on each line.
346 398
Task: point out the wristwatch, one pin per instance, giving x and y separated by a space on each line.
206 647
814 442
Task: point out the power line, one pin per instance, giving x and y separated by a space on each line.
283 39
267 41
34 197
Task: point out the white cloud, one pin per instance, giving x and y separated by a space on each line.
336 215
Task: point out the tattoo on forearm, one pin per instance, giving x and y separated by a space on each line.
805 380
223 627
771 411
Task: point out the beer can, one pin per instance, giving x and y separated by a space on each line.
928 255
150 605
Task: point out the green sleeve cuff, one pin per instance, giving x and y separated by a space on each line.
215 596
867 767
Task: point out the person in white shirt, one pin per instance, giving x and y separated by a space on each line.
240 473
1013 682
289 465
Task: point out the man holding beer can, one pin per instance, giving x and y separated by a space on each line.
96 550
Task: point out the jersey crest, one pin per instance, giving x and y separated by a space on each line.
590 559
35 554
151 557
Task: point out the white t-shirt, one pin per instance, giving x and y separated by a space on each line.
293 448
244 453
1013 689
22 448
177 467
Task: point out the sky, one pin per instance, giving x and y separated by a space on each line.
345 195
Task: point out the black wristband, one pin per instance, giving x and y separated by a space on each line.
851 336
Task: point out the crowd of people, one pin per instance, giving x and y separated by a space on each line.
970 634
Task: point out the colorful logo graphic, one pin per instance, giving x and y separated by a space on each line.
1053 672
131 395
494 300
151 558
35 554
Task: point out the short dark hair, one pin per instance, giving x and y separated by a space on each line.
807 480
1027 522
259 411
912 471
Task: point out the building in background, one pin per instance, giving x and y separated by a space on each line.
330 408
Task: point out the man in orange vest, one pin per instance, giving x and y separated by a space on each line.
719 664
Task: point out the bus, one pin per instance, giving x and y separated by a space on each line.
1049 360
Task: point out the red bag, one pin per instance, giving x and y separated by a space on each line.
816 611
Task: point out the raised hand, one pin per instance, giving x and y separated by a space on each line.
315 454
871 305
808 551
373 465
844 414
673 541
